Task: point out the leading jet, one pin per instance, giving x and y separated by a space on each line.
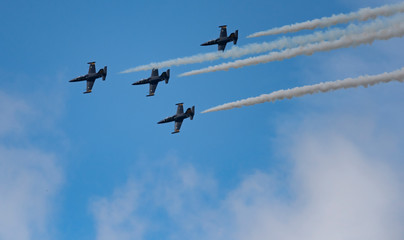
91 76
179 117
223 39
153 80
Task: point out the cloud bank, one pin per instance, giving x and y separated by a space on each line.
336 188
339 191
29 177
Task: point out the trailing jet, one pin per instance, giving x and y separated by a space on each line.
154 79
223 39
179 117
91 76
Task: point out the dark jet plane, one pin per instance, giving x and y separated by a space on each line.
179 117
223 39
91 76
153 80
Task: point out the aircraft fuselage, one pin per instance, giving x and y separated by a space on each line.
219 41
223 39
91 76
87 77
175 118
152 80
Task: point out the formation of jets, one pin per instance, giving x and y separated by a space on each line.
155 78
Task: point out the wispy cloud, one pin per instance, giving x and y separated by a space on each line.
361 15
13 112
116 217
164 196
29 177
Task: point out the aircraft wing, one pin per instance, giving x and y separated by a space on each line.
177 127
91 68
221 47
155 72
90 84
223 31
152 89
180 109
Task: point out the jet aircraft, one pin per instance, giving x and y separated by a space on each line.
223 39
179 117
153 80
91 76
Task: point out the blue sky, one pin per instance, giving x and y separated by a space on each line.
97 166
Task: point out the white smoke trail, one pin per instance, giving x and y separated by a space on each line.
285 42
361 15
364 81
396 30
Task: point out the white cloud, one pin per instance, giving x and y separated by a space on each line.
162 190
339 191
116 217
13 112
29 180
344 182
29 177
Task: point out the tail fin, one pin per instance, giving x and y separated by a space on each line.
166 75
235 37
105 73
191 112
